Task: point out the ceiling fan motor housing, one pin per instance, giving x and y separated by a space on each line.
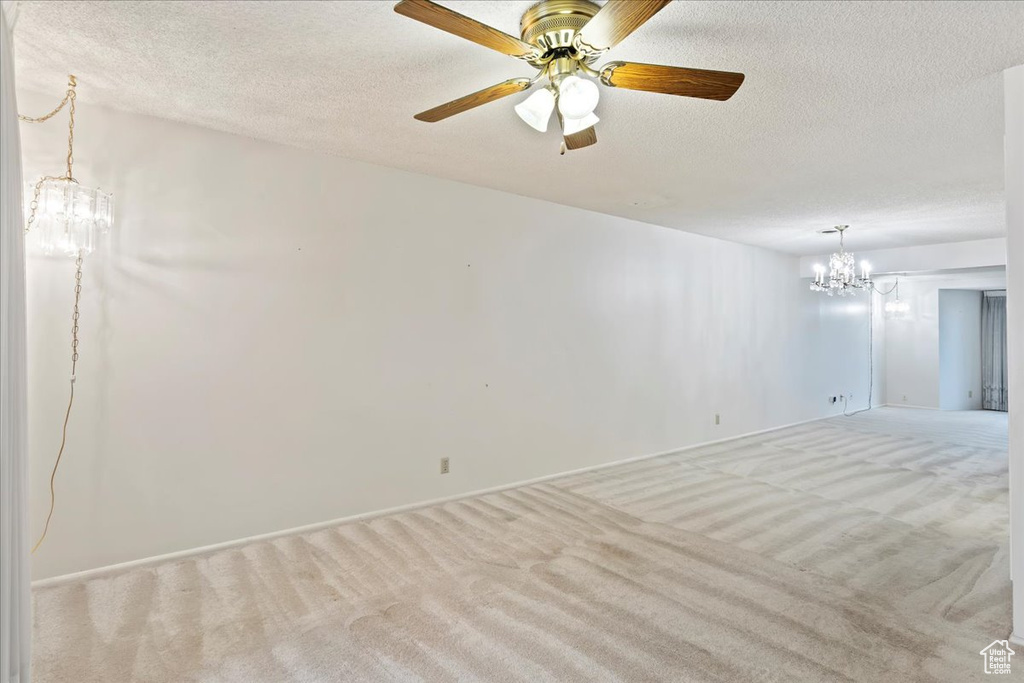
552 24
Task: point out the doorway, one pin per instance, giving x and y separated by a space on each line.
994 376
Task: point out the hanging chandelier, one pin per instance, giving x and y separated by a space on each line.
65 217
896 308
842 277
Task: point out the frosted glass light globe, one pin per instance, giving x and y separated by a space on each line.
536 109
577 97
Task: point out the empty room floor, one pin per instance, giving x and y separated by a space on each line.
870 548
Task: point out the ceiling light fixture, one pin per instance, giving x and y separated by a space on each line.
842 277
563 40
897 308
64 216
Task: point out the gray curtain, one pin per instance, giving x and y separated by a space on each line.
993 351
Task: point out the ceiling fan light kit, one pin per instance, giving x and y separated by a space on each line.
563 39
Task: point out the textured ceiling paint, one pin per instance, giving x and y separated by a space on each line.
884 115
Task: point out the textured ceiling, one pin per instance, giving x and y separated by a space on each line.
887 116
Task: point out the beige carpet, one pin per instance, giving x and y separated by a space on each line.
870 548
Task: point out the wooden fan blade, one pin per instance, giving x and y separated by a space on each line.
672 80
616 20
495 92
579 139
584 138
457 24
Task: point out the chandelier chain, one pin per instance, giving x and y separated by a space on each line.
33 206
46 117
69 101
71 398
74 316
71 125
895 287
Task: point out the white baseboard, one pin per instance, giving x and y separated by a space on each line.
1017 640
99 572
905 405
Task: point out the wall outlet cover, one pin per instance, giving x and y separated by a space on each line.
444 465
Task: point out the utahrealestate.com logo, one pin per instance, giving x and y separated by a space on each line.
997 657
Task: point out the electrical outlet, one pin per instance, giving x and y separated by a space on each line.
904 398
718 419
444 465
970 394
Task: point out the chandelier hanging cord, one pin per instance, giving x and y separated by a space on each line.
871 342
871 361
71 398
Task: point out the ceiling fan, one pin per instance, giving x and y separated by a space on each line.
562 39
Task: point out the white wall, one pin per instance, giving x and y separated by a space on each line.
959 349
275 338
844 355
912 343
